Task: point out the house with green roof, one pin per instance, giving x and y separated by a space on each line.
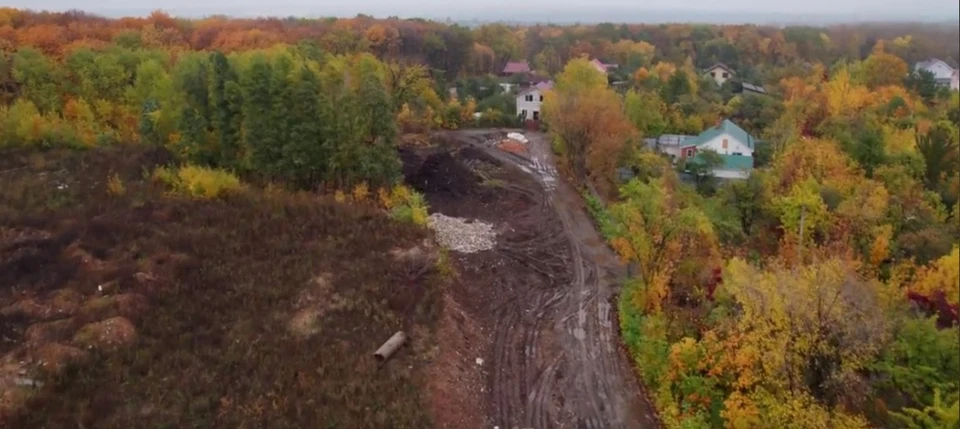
734 145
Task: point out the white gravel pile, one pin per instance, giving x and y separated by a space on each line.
462 235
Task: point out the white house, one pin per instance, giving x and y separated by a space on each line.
720 73
942 72
530 100
734 145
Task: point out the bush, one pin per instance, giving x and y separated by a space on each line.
407 206
115 185
198 182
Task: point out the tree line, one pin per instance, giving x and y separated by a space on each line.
822 291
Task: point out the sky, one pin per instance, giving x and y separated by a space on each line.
532 10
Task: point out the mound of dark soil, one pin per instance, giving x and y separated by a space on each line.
441 174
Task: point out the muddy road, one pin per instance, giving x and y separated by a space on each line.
544 298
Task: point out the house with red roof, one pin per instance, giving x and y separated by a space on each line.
601 66
516 67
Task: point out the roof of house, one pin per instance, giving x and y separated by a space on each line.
930 63
722 66
731 162
727 127
737 162
543 86
674 139
754 88
602 66
516 67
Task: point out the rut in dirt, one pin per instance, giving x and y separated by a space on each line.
555 360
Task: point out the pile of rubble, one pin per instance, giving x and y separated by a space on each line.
462 235
515 143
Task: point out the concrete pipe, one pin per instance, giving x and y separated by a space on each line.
390 347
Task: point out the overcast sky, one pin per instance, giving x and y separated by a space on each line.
946 10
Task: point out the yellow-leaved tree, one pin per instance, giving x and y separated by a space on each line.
656 227
816 325
942 276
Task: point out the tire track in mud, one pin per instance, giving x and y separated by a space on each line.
555 358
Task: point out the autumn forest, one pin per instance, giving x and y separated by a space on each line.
820 292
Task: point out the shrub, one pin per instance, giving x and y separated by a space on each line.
115 185
198 182
405 205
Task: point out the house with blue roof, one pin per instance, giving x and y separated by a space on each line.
734 145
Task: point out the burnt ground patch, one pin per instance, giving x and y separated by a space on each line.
211 288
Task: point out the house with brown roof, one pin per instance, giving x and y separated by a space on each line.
720 73
516 67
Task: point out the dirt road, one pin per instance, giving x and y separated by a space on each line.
554 355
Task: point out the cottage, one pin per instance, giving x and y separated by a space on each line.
734 145
530 100
941 71
720 73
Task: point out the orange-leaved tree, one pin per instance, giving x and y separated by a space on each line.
587 122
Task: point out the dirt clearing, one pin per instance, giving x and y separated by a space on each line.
541 301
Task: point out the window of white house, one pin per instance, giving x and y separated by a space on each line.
725 143
529 97
726 75
738 153
523 113
541 98
713 74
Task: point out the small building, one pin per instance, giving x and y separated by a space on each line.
530 100
941 71
669 144
720 73
734 145
515 68
601 66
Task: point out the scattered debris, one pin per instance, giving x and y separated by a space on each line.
479 361
390 347
462 235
